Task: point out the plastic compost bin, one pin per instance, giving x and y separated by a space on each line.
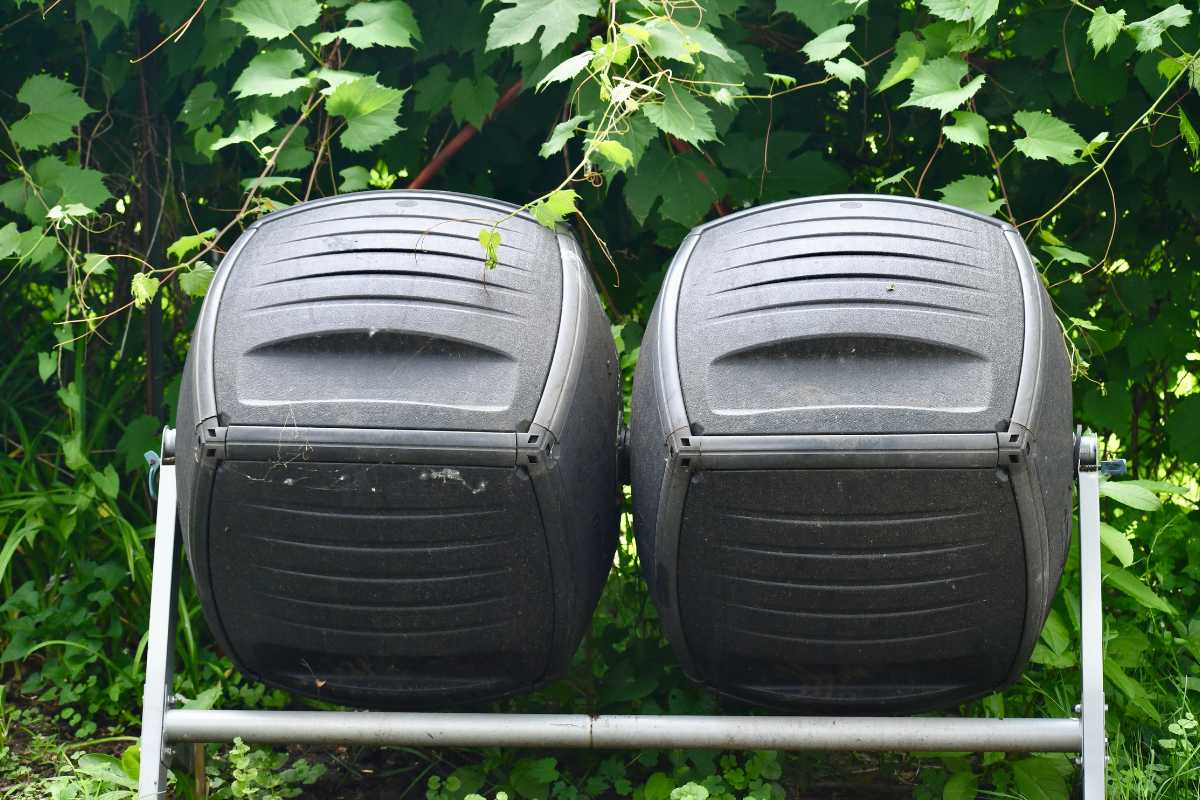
852 454
398 466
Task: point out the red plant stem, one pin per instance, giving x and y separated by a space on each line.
683 147
465 134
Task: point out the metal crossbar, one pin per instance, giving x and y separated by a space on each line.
164 726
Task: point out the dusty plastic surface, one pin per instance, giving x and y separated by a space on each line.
880 559
398 467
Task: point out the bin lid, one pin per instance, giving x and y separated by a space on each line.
377 310
851 314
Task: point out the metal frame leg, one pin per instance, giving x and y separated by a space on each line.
1091 708
160 650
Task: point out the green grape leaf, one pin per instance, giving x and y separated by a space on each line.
567 70
1104 28
473 100
977 12
96 264
384 24
828 44
613 151
432 91
274 19
489 240
1129 584
270 74
681 115
554 207
370 110
968 128
893 179
1117 543
818 15
667 38
10 240
47 365
971 192
562 133
196 280
1148 33
1048 137
686 184
1095 144
1130 494
936 85
184 246
910 55
1190 137
522 20
75 185
1060 253
846 71
246 131
143 287
200 107
354 179
336 77
55 108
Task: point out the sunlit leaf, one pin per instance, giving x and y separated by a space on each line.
1104 28
555 207
828 44
270 74
274 19
910 55
1046 136
977 12
384 24
1129 584
1117 543
968 128
1130 494
1148 33
521 21
561 134
971 192
681 115
846 71
370 110
936 85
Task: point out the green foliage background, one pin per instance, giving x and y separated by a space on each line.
139 137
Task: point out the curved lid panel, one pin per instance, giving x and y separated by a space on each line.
851 314
377 310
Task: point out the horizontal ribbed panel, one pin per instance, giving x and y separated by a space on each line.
850 316
794 590
354 582
381 312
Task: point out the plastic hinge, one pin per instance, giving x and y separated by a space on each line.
684 450
211 441
1012 445
536 448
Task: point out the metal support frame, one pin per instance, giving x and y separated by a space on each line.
164 726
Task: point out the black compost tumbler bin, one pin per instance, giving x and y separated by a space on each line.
852 454
397 465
